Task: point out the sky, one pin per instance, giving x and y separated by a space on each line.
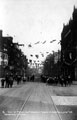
30 21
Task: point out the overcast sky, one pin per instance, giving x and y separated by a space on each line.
30 21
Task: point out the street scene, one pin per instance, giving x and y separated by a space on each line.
38 101
38 60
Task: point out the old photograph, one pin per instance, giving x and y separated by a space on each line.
38 59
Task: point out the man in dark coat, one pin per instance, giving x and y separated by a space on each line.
7 80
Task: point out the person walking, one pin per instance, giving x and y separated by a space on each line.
7 80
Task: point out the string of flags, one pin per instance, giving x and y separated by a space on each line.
38 42
41 53
37 56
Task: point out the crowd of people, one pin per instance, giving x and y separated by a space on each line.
9 79
57 80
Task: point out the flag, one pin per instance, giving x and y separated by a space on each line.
42 55
47 52
20 44
29 45
52 41
59 42
31 55
37 42
44 42
37 56
30 61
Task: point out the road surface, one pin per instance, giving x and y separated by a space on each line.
37 101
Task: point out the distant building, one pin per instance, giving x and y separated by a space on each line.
1 51
69 47
56 68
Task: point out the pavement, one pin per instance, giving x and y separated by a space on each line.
70 90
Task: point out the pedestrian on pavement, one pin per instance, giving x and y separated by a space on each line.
2 82
7 80
11 80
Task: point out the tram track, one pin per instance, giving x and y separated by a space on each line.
4 96
24 104
58 113
7 97
30 92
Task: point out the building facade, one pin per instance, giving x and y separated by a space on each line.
3 55
69 47
12 59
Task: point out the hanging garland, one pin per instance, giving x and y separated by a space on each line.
69 64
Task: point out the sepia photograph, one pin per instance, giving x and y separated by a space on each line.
38 59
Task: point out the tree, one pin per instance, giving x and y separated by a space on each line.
48 65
